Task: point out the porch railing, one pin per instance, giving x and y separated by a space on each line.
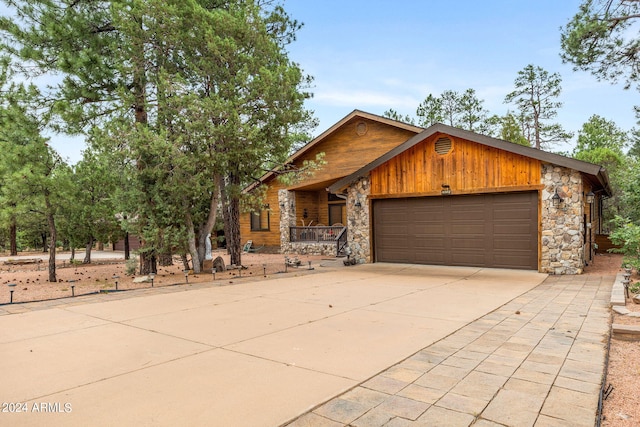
341 242
317 234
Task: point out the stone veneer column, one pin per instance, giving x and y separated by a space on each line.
562 227
287 203
359 232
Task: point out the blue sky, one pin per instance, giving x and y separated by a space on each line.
374 55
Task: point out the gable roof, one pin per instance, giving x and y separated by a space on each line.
597 173
317 140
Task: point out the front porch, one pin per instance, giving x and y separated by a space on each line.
303 218
317 240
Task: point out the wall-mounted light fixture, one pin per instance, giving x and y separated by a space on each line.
556 199
591 197
305 213
358 204
446 190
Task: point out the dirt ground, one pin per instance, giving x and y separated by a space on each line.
101 275
621 408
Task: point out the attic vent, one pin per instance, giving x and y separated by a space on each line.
443 145
361 128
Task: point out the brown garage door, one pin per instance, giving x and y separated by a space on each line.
489 230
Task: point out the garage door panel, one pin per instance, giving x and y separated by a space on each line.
493 230
468 229
513 216
435 242
467 258
397 230
512 229
396 254
508 260
432 256
464 216
511 244
473 242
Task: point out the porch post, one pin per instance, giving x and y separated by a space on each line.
359 232
287 204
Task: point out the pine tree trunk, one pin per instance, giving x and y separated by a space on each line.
87 251
231 217
148 263
73 253
13 238
147 258
165 260
127 254
52 239
202 246
234 245
191 242
44 242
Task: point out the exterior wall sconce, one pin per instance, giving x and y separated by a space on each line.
305 213
591 197
446 190
358 204
556 199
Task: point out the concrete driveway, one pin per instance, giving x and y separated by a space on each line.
249 354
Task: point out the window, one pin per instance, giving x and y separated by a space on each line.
260 221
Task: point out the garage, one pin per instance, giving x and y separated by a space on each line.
487 230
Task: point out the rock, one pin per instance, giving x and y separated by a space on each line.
218 264
141 279
636 299
621 310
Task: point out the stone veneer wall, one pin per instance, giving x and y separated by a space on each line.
562 227
358 230
287 202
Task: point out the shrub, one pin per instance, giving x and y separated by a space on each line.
131 265
627 234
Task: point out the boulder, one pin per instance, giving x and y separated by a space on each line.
218 264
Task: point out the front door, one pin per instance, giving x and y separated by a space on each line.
337 214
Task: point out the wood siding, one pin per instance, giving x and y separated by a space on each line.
269 237
346 151
467 168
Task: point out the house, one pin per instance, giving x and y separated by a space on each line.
446 196
356 140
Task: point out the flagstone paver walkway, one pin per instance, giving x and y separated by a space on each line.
539 360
